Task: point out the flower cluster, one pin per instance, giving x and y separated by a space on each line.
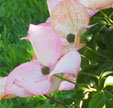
55 45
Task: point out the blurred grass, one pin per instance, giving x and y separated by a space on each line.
15 17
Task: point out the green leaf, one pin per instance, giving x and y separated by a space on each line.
105 67
103 99
108 81
107 73
109 39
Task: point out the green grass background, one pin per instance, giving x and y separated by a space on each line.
15 17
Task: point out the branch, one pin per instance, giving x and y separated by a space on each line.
53 100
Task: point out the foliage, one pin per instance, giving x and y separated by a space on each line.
97 65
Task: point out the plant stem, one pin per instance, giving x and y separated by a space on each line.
84 57
53 100
107 18
89 74
64 79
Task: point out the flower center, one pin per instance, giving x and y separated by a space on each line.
45 70
70 38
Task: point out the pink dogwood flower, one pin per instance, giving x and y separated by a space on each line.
37 76
67 18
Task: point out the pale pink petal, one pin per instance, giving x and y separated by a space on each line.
2 87
89 26
46 43
51 4
24 38
77 43
66 46
101 4
92 12
87 3
47 24
108 6
66 85
95 4
26 73
69 63
68 16
35 86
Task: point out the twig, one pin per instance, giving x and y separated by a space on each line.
53 100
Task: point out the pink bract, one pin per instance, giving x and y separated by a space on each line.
2 89
52 4
46 43
68 16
